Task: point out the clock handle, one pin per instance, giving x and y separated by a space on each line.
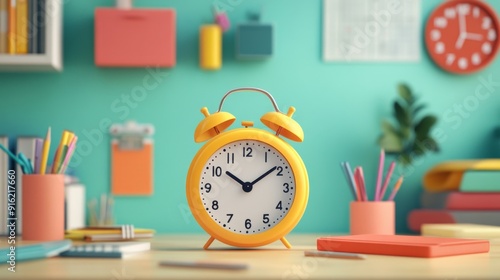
275 105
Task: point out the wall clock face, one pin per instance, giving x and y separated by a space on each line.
247 187
462 36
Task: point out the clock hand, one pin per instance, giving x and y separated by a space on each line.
461 22
461 29
474 36
263 175
235 178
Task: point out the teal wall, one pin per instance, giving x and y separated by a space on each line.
339 106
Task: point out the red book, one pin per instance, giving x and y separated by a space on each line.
403 245
461 201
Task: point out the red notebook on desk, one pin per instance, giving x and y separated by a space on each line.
403 245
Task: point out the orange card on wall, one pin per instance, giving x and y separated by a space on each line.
131 160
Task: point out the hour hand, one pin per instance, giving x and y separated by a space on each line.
235 178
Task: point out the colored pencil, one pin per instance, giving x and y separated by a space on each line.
351 178
360 182
45 153
59 151
69 154
387 180
349 182
395 189
379 174
338 255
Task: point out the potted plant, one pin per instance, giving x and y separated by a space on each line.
408 135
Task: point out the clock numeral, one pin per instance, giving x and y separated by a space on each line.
287 188
265 218
279 207
216 171
247 152
230 217
215 205
248 224
280 171
230 158
265 157
208 187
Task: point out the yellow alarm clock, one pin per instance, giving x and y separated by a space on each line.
247 187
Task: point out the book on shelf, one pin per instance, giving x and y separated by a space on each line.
4 25
41 17
419 217
33 26
4 168
455 200
107 250
11 28
22 27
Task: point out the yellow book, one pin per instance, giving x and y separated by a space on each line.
461 230
11 29
104 234
22 27
3 26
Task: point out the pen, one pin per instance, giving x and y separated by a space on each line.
211 265
339 255
38 155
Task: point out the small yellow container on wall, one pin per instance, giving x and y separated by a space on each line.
210 47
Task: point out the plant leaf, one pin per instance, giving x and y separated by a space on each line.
424 126
401 115
388 127
405 93
428 144
418 109
391 142
404 159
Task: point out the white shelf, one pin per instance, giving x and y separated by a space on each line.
51 60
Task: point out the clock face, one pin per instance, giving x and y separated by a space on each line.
462 36
247 187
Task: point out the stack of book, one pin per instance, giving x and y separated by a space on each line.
22 26
460 192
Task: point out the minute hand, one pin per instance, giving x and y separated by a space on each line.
264 175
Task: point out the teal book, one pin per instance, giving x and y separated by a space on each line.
481 181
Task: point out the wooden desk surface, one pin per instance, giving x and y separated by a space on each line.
270 262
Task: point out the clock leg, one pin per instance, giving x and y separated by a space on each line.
209 242
285 242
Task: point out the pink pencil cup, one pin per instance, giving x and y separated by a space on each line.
43 207
372 217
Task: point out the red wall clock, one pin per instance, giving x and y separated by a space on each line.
461 36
